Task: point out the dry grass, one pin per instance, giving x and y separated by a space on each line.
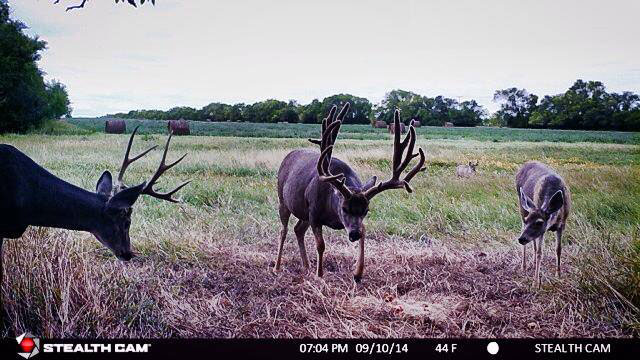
439 263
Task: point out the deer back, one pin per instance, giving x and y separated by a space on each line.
299 188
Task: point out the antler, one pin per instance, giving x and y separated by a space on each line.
330 128
399 164
126 161
162 168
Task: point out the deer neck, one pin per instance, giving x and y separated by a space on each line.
67 206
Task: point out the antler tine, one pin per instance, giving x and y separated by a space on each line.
325 123
330 129
126 161
399 164
162 168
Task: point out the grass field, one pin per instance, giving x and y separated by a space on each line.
442 262
365 132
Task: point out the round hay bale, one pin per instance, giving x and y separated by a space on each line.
379 124
448 124
178 127
415 123
115 126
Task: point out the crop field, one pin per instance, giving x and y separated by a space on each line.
362 132
441 262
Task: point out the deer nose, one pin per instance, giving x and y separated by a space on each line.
523 240
126 256
354 235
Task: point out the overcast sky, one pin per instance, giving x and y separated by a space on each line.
192 52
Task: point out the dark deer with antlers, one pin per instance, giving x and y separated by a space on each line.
32 196
321 191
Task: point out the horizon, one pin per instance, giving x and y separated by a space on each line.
118 58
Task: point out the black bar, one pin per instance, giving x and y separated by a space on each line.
519 349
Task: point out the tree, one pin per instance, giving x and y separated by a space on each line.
516 106
23 101
133 3
58 103
359 111
430 111
311 113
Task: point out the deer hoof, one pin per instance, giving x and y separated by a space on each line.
357 278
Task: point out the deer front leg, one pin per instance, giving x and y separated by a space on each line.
558 250
524 258
284 218
357 275
5 317
540 242
300 229
317 232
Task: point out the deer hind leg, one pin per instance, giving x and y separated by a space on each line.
317 232
300 229
558 249
285 214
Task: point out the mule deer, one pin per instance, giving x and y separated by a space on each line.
32 196
467 170
545 202
321 191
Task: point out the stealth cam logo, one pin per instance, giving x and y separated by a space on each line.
30 345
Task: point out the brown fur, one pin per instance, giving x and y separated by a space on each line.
545 203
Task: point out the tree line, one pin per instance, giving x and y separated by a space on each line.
430 111
585 105
26 99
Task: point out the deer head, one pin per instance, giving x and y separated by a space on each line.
354 202
473 165
113 228
536 219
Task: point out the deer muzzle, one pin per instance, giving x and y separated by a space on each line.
354 235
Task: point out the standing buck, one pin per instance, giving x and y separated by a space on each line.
545 203
32 196
321 191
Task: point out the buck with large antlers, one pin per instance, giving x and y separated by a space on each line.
321 191
30 195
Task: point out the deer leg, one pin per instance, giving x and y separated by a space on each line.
317 232
540 241
285 214
524 258
300 229
558 250
357 275
5 317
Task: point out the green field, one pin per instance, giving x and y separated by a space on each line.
442 262
366 132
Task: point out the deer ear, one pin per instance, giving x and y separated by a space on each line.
555 203
369 184
125 198
526 202
105 184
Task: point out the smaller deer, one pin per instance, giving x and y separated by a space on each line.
467 170
545 203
